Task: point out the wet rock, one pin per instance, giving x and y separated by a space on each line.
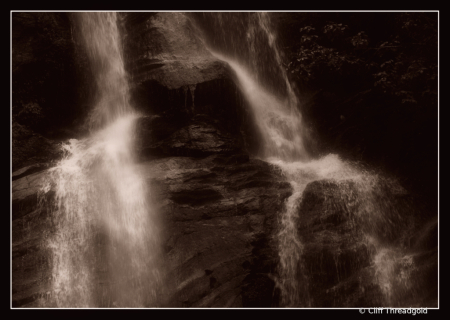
360 290
199 137
50 72
334 246
168 64
352 252
219 216
25 193
258 291
31 115
164 47
29 170
219 223
31 148
31 274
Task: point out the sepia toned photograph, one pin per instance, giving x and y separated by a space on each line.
225 159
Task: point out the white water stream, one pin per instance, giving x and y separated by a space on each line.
105 245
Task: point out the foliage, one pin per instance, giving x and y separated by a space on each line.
402 63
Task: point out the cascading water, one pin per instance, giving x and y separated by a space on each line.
280 123
101 37
276 111
104 247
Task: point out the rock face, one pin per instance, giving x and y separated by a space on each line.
220 207
31 273
218 215
200 136
163 47
334 246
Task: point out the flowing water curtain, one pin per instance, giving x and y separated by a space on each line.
278 122
292 281
277 115
105 250
285 120
247 42
248 38
102 40
131 223
275 108
266 56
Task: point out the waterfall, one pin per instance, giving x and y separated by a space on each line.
104 248
277 113
105 242
102 41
